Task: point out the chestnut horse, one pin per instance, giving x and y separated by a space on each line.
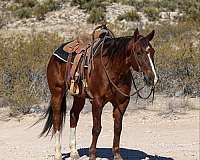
109 78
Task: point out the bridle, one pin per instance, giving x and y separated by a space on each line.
132 78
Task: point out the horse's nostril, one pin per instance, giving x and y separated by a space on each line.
148 80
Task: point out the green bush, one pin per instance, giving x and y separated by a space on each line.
27 3
40 11
168 5
96 9
24 12
152 13
51 5
96 15
30 8
88 5
129 16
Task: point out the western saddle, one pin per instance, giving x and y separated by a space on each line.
83 49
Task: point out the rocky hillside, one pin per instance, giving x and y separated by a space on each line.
71 17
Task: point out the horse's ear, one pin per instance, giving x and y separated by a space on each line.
136 35
150 35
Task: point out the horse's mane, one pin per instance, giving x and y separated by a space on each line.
115 46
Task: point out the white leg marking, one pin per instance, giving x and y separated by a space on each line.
58 155
72 144
153 69
72 139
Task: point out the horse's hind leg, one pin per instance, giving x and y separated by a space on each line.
56 104
78 105
118 113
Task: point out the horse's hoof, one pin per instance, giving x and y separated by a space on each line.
74 155
118 157
92 157
58 157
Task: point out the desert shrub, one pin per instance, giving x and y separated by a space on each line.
152 13
3 19
40 11
88 5
23 62
129 16
96 15
51 5
25 12
178 58
27 3
96 9
140 5
193 14
30 8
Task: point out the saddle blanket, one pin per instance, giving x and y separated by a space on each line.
63 55
60 53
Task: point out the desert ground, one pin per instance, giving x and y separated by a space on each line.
160 133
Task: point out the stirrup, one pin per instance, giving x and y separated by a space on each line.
87 91
73 90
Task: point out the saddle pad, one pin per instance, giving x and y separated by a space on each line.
60 53
63 55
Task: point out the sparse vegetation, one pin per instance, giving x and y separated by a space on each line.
23 63
152 13
96 9
30 8
178 58
129 16
96 15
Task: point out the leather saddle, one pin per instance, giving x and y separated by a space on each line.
79 58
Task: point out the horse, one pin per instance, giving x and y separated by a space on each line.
109 81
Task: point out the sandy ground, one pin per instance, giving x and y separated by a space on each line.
169 135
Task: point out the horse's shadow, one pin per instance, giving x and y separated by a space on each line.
127 154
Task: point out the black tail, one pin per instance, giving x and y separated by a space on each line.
49 115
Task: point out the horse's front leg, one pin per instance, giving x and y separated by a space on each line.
96 113
78 105
118 113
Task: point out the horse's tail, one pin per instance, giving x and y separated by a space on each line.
49 115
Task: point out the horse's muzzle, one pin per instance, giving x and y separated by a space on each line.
149 80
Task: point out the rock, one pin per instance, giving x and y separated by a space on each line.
179 93
4 102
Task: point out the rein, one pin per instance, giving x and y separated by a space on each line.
138 93
110 80
134 84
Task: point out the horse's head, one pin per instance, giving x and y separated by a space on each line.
142 56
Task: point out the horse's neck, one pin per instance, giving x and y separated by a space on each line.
119 65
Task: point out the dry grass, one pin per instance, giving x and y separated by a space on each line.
23 63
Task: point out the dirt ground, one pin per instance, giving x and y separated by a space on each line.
162 135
